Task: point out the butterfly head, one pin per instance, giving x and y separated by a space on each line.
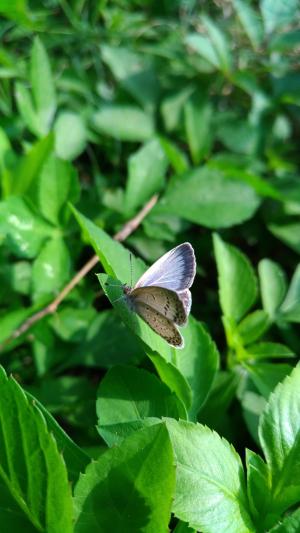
127 289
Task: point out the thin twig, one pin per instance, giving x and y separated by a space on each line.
51 308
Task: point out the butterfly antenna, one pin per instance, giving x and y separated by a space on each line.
131 269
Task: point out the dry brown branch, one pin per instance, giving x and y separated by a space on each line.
126 230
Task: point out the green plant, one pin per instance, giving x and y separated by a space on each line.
127 128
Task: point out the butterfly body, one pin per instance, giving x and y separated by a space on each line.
161 297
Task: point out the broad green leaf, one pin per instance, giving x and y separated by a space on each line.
23 231
31 466
118 344
223 391
198 118
146 174
176 157
210 487
70 397
182 527
124 123
172 107
203 46
70 135
130 398
220 44
16 10
279 435
11 320
250 20
276 13
237 281
115 258
19 276
51 269
269 350
198 362
26 109
71 324
137 478
253 326
205 196
31 164
11 515
289 524
173 378
57 184
134 72
258 485
272 285
253 405
43 87
266 376
290 307
289 233
75 458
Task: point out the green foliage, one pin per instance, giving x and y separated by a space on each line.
104 107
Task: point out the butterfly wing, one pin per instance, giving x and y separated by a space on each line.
160 324
168 303
186 299
175 270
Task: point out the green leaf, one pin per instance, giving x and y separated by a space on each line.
23 231
70 135
71 324
26 109
75 458
258 485
269 350
172 107
119 348
220 44
12 320
31 466
251 21
173 378
289 233
237 281
276 13
272 286
114 257
146 174
266 376
290 307
198 117
198 362
253 326
124 123
176 157
223 391
289 524
51 269
42 82
129 399
203 46
208 471
279 436
57 184
137 478
134 72
207 197
19 276
31 164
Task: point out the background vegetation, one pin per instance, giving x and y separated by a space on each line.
103 105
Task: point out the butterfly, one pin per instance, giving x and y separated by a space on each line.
161 297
